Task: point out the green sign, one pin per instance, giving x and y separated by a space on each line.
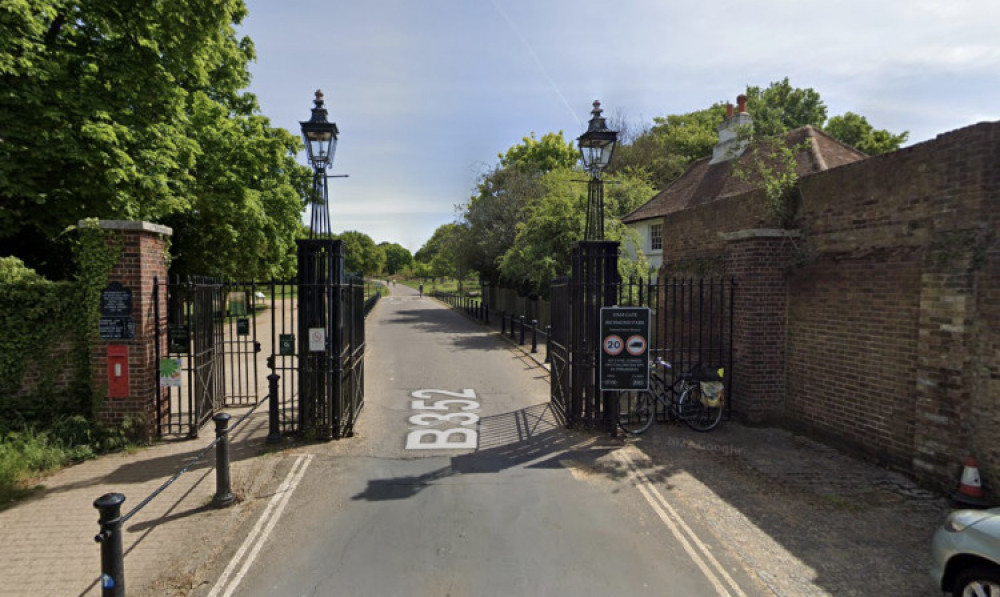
286 345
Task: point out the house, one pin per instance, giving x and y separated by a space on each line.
714 177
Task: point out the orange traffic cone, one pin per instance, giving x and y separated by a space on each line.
970 487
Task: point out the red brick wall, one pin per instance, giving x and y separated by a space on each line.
890 338
143 259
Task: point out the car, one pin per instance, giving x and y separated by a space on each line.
966 553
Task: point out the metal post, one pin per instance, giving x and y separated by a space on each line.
521 338
223 496
534 336
112 557
548 344
273 430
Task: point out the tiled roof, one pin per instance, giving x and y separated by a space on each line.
704 182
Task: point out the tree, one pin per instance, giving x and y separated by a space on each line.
854 129
780 108
126 109
397 257
361 254
664 151
549 153
553 225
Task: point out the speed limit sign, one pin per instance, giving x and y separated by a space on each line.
613 345
624 357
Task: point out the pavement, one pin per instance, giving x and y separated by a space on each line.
803 518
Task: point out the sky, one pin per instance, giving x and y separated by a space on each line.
427 93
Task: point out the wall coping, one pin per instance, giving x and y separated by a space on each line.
132 225
760 233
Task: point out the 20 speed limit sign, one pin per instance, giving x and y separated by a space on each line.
613 345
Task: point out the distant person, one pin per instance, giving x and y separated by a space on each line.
421 290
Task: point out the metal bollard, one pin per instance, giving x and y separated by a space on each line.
534 336
223 495
112 557
548 343
273 428
486 313
520 341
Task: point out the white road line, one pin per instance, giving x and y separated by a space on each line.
699 552
256 538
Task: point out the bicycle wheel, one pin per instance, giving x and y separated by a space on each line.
695 413
635 411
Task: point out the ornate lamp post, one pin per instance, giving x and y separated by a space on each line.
320 137
597 145
320 273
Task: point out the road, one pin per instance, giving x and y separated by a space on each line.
461 481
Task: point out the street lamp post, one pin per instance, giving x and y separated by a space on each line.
320 137
320 273
597 145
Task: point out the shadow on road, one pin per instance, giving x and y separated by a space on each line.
531 437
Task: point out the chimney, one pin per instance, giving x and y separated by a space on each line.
730 144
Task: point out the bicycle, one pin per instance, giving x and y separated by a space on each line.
697 399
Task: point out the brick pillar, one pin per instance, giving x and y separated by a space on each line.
947 417
759 259
143 259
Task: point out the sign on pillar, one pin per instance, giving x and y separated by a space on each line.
624 360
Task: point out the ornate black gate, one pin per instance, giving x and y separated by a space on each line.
207 351
691 326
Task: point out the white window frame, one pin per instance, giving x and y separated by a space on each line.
656 237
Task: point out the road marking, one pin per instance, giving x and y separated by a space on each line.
225 586
695 548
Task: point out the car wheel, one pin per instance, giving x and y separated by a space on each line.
978 581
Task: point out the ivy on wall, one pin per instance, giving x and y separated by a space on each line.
49 327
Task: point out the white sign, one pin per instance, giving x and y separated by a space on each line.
317 339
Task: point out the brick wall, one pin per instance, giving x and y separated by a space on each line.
882 328
143 260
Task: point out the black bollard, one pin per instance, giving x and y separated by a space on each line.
534 336
223 495
112 557
520 341
273 430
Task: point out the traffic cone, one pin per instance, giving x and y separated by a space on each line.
970 487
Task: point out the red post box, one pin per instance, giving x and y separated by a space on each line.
118 371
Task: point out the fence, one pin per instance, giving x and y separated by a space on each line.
691 326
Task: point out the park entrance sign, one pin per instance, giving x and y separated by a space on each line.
624 358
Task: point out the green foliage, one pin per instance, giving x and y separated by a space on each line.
27 451
549 153
49 328
361 254
772 167
134 110
397 257
854 130
780 108
663 151
553 225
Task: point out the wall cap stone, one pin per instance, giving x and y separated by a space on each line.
760 233
132 225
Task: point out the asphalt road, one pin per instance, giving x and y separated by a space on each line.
460 481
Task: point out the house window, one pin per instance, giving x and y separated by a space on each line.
656 237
